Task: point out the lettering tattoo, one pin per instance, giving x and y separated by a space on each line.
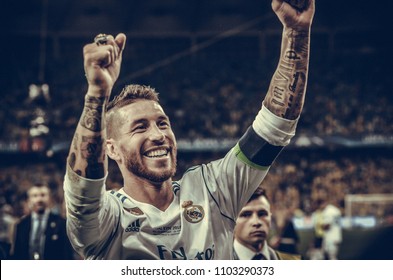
296 77
285 97
278 94
92 114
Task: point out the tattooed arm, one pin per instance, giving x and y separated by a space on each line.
86 155
285 97
102 63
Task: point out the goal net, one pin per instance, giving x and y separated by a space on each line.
368 209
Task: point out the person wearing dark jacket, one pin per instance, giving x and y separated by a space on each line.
41 234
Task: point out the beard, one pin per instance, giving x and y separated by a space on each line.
134 164
40 208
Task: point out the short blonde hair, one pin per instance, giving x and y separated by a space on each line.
129 94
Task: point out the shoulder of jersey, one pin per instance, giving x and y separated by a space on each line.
128 205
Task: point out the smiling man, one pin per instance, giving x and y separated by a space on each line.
153 217
252 230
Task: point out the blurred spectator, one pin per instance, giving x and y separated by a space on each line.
286 202
41 234
7 221
284 237
328 230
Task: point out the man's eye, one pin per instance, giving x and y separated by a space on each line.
139 127
245 214
263 213
164 124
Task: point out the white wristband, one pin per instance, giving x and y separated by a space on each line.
274 129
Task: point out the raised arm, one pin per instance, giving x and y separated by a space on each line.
102 61
285 97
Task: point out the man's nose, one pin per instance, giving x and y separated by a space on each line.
256 221
156 134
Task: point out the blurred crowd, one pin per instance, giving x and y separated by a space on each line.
292 183
348 95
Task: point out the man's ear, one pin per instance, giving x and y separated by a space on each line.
112 150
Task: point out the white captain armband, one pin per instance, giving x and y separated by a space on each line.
276 130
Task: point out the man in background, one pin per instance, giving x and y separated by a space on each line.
41 234
252 230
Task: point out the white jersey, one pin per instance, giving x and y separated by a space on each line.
331 216
198 224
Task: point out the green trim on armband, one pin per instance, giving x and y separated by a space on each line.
243 158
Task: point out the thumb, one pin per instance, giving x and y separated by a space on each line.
276 4
121 41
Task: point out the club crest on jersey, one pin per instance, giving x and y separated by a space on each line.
193 213
134 211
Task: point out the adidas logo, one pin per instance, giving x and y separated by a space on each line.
133 227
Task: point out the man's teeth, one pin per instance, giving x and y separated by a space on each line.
157 153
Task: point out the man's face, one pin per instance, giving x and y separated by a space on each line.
253 223
38 199
146 141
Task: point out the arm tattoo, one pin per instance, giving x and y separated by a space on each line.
72 160
91 151
285 97
75 142
93 113
87 156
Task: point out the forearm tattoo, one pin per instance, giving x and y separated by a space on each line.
92 114
92 152
87 154
285 97
72 161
